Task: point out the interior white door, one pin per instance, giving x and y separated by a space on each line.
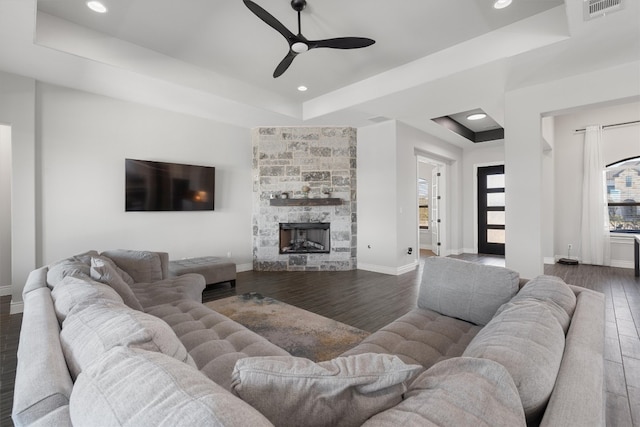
434 210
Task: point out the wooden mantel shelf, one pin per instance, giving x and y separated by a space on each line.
328 201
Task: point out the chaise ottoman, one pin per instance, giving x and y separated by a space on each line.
214 269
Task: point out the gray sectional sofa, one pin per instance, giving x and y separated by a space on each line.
111 339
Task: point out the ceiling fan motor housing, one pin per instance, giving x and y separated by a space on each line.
298 5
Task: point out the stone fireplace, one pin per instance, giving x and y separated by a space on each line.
314 227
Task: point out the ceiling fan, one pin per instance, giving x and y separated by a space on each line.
299 43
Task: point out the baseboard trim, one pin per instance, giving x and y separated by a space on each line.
616 263
549 260
5 290
622 264
244 267
407 268
16 307
393 271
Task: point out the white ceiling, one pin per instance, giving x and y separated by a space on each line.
227 38
215 59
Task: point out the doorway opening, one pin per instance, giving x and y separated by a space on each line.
431 205
491 210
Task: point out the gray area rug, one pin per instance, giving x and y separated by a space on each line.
300 332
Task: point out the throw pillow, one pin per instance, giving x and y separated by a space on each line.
142 266
529 342
89 332
73 291
76 265
466 290
345 391
123 274
134 387
104 272
461 391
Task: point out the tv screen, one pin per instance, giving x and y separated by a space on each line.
158 186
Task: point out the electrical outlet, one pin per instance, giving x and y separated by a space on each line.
569 246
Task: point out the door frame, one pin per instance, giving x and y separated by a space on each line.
476 166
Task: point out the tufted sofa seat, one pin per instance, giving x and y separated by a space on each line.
421 337
165 291
454 304
214 341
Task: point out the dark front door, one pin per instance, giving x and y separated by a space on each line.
491 215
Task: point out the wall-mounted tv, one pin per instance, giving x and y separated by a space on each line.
158 186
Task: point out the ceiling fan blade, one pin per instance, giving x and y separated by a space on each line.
284 64
342 43
269 19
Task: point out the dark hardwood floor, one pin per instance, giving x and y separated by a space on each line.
369 301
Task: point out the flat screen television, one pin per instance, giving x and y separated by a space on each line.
159 186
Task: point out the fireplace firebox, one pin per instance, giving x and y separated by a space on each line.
305 238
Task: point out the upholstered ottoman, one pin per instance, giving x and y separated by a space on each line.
214 269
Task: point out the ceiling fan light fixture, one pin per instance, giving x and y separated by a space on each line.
476 116
501 4
299 47
96 6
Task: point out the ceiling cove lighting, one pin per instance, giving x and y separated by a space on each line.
476 116
96 6
501 4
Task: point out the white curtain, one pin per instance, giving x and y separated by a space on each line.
596 248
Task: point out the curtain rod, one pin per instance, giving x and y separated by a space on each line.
612 125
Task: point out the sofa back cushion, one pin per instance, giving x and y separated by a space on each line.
528 341
141 388
466 290
105 272
90 331
142 266
345 391
72 291
462 391
554 293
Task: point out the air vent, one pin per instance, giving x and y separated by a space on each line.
378 119
596 8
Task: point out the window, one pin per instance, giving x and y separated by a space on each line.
423 202
623 195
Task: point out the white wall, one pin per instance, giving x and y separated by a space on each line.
5 210
387 197
618 143
479 155
376 177
17 109
84 140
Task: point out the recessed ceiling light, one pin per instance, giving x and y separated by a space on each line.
302 88
96 6
476 116
501 4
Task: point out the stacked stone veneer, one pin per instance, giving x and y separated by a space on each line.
285 160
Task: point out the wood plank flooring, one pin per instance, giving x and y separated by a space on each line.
369 301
